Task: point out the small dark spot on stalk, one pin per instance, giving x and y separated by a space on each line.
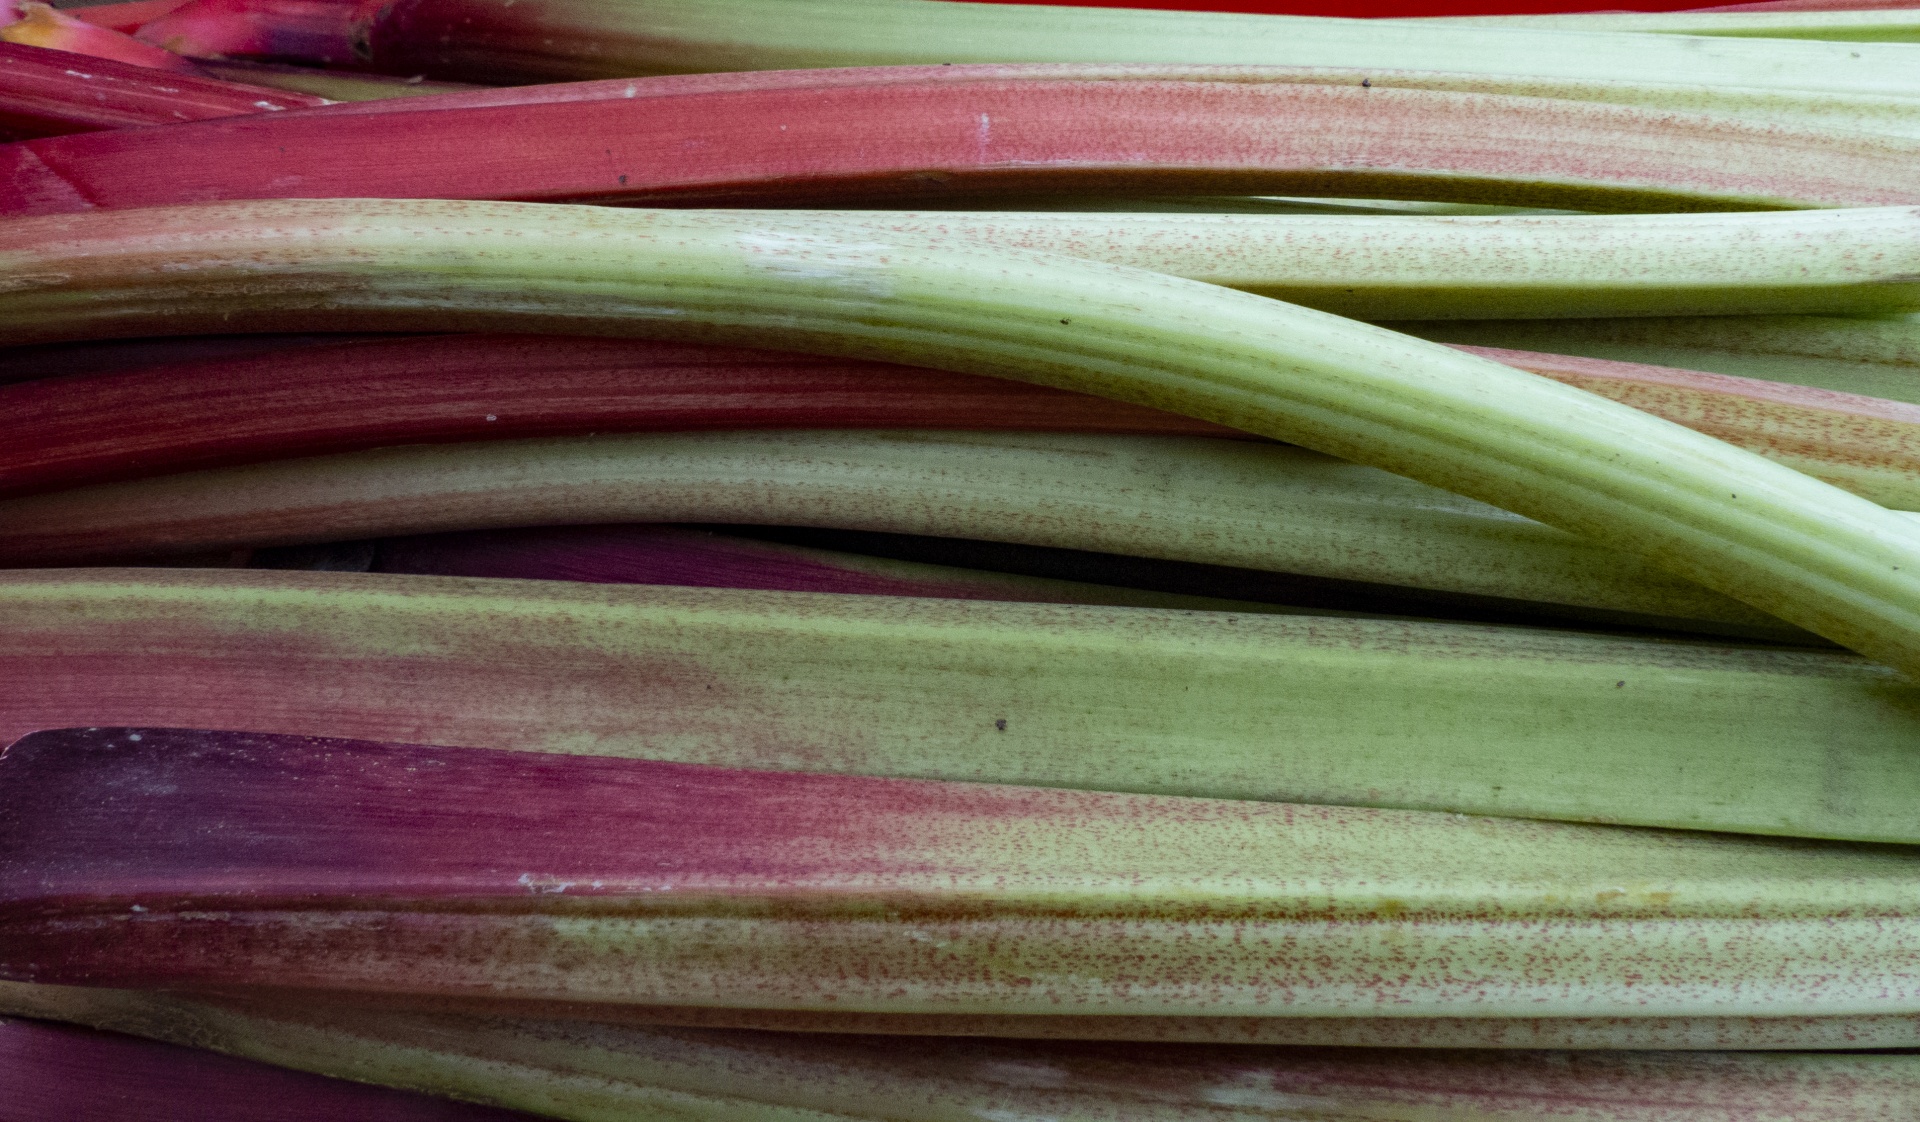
1063 322
1619 685
1001 724
623 181
1366 83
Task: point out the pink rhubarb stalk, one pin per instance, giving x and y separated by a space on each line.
378 392
50 93
40 25
937 137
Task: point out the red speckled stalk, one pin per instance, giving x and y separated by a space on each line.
1480 719
48 93
919 139
464 387
55 1073
594 1072
153 857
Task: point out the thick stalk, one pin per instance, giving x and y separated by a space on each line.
571 39
251 859
853 139
1874 357
409 390
590 1072
1475 719
43 93
1215 502
1835 564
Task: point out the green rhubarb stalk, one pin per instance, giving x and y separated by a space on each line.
1792 546
1366 712
585 39
161 1015
1219 502
1896 25
1845 262
599 1073
1870 356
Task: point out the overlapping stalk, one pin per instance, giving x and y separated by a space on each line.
585 39
1889 25
1837 565
1214 502
594 1072
854 138
1477 719
235 859
43 94
60 1072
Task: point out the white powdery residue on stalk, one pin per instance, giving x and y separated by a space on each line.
855 266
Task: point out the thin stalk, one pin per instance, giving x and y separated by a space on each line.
1474 719
1215 502
44 93
583 39
250 860
128 16
591 1073
158 1015
60 1072
1835 564
1873 357
854 138
375 392
1890 25
346 86
33 24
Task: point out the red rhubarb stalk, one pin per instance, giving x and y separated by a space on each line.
465 387
931 138
49 93
126 17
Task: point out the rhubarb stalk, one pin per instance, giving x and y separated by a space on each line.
44 93
263 860
1790 545
852 138
1472 718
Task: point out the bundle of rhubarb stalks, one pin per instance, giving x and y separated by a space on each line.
907 560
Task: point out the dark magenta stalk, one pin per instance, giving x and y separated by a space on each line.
60 1073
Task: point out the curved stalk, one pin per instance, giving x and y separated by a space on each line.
1835 564
1214 502
1473 719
